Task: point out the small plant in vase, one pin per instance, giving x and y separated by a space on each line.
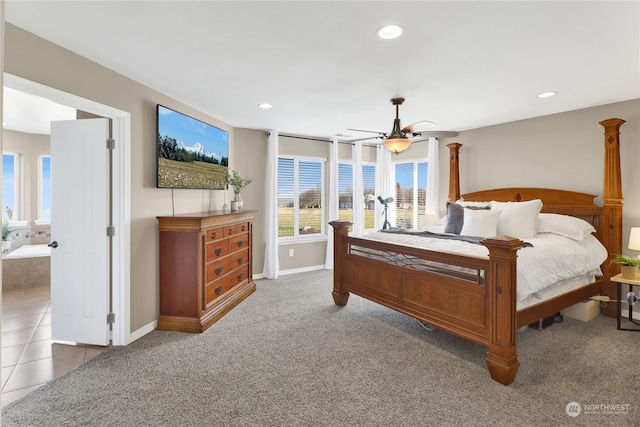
628 265
238 183
6 229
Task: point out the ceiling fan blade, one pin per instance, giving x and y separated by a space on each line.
368 138
418 126
436 134
369 131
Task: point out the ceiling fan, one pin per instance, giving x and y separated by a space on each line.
401 138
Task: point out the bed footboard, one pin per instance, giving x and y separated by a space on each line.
474 298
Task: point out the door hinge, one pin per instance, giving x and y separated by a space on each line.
111 318
111 144
111 231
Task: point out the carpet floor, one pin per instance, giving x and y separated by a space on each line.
287 356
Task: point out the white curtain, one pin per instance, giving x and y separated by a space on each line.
384 186
358 190
271 267
332 173
433 188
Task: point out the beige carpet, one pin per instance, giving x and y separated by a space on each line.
287 356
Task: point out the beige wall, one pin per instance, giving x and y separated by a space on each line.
560 151
250 159
30 147
35 59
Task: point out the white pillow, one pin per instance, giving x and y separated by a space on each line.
564 225
480 223
473 204
518 219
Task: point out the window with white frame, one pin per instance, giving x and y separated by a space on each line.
44 189
411 192
300 197
9 185
369 188
345 193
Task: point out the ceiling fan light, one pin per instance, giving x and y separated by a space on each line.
397 145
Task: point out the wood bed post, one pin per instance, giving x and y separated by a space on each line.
612 207
454 171
340 233
502 357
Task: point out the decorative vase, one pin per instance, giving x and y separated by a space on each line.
6 245
237 203
628 271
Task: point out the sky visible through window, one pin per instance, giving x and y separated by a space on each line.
8 183
46 187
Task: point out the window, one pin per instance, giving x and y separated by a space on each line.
9 184
369 187
300 197
411 193
345 191
44 189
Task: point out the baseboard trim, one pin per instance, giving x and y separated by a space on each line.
301 270
139 333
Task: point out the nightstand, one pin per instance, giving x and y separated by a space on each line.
631 283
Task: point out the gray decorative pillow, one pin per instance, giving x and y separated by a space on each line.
455 216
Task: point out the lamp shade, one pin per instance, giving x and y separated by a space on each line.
634 239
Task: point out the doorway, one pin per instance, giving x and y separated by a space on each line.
121 124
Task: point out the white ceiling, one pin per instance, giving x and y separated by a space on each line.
32 114
462 65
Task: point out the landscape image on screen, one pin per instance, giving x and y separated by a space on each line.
191 153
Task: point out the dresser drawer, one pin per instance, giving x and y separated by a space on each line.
214 234
239 242
239 258
238 275
216 250
214 289
236 229
217 269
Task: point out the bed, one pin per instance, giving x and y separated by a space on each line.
475 297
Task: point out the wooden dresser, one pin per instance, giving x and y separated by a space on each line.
205 267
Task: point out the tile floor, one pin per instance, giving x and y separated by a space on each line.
29 358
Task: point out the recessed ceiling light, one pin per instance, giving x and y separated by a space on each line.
547 94
389 32
265 105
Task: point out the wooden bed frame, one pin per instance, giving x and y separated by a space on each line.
483 311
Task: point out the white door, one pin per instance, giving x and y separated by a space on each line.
79 220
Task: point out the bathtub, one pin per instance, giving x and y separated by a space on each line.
29 266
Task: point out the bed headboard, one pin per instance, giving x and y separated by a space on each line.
607 219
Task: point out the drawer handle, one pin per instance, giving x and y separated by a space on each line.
230 232
218 251
214 235
239 276
240 260
218 290
240 243
219 271
244 227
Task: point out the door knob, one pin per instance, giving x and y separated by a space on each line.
53 244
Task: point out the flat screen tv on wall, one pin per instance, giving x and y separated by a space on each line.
191 153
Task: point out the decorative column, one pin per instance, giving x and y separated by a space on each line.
454 171
612 206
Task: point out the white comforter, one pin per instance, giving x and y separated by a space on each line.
551 259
